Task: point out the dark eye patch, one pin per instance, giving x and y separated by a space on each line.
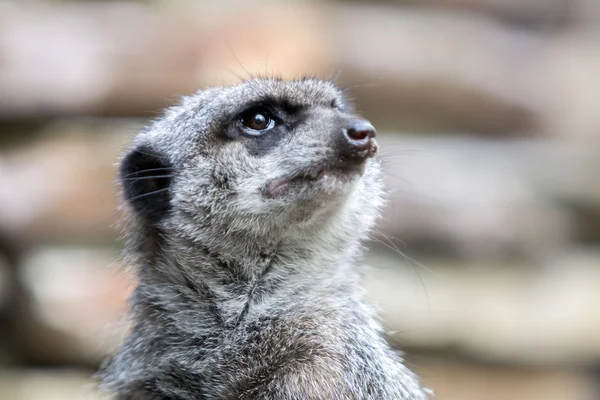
259 142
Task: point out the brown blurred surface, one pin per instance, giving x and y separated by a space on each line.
486 263
456 381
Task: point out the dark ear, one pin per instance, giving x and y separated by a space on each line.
146 176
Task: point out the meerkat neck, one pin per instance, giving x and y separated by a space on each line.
234 279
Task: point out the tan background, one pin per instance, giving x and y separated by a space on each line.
486 265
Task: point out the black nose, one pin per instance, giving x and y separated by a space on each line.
359 140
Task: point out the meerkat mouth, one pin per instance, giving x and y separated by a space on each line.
341 173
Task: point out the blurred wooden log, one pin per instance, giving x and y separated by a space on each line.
452 381
430 69
459 71
526 14
48 385
502 313
61 188
76 311
74 59
123 59
487 199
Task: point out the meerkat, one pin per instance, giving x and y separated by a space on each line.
247 209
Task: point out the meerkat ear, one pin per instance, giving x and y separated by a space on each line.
146 176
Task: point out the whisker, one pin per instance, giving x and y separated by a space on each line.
147 177
266 63
250 76
153 155
148 194
405 181
412 261
392 162
402 152
148 170
362 85
389 238
335 75
232 72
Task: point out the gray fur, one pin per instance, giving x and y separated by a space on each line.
241 296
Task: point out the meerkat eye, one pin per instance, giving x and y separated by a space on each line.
257 121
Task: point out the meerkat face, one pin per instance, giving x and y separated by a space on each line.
265 155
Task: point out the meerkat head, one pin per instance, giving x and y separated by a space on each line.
265 157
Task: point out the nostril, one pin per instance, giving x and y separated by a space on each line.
361 131
358 141
357 135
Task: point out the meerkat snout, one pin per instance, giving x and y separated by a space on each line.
359 140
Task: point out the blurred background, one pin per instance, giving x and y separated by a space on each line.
486 265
